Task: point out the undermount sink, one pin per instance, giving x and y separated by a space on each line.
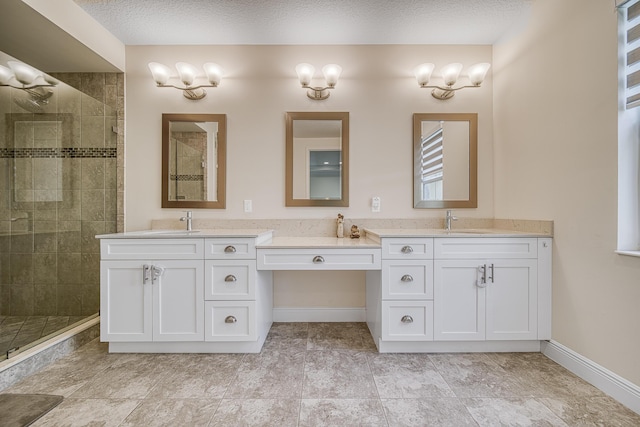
469 231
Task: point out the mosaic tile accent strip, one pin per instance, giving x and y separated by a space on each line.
64 153
187 177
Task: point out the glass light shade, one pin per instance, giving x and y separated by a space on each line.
331 74
305 73
213 72
5 75
23 72
50 80
423 73
478 72
451 72
187 72
160 72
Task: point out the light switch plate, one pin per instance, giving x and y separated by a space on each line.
248 206
375 204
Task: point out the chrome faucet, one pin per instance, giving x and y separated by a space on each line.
189 219
448 219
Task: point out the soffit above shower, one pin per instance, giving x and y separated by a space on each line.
230 22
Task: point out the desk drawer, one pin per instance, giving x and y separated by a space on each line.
230 280
407 248
407 280
318 259
407 320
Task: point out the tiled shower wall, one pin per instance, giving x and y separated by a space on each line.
62 170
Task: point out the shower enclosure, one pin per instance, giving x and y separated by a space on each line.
59 187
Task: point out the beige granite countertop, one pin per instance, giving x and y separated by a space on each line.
376 234
181 234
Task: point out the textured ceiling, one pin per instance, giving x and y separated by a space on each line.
159 22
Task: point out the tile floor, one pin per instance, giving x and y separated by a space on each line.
319 374
18 331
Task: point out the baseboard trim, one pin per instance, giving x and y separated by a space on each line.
319 314
610 383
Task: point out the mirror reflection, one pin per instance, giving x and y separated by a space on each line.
445 160
317 159
193 160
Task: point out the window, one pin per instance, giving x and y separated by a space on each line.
629 128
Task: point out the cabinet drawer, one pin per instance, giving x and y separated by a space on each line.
319 259
230 280
131 249
230 321
403 280
407 320
481 247
404 248
238 248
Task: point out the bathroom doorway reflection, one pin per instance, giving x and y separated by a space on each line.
58 189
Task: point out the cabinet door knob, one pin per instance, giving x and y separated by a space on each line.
406 319
318 259
406 278
230 319
230 278
230 249
406 249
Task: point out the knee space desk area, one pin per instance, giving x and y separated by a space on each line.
426 290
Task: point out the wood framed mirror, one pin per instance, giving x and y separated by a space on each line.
445 160
194 151
317 159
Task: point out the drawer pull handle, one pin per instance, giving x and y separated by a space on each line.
230 319
406 249
318 259
230 278
406 278
230 250
406 319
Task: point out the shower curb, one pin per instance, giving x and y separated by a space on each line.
34 359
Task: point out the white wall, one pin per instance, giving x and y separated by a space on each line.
377 88
555 128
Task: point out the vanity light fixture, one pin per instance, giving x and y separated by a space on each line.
450 74
331 74
22 76
187 73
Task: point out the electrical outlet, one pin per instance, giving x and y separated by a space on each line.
375 204
248 206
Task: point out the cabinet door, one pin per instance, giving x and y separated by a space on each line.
125 302
178 301
512 300
459 303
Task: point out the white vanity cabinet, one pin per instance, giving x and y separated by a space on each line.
195 294
486 289
151 290
461 294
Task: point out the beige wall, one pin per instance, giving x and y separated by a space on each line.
555 129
